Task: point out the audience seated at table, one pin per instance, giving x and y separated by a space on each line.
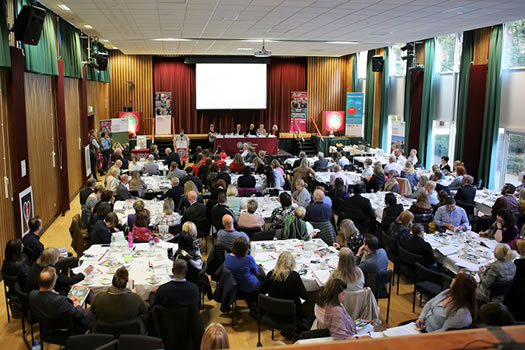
417 245
301 196
400 159
196 213
90 203
137 184
251 130
103 229
198 163
330 313
247 180
514 299
338 194
249 218
439 179
348 272
117 155
138 206
501 270
274 179
421 206
504 229
191 228
410 174
466 192
376 259
393 165
279 214
250 155
359 209
169 216
391 211
46 304
506 201
154 151
453 308
141 230
259 165
118 303
430 188
321 164
299 159
225 175
423 179
368 170
175 171
174 193
186 251
338 174
184 203
377 180
220 152
295 226
342 160
123 193
219 210
178 292
15 263
211 178
227 236
276 166
400 228
112 180
150 167
457 182
215 337
49 257
283 282
233 201
318 211
443 166
303 172
190 177
351 234
391 185
442 198
450 216
135 165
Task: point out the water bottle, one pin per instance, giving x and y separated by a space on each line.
36 346
151 243
130 239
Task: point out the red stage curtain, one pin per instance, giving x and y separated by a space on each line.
170 74
416 98
474 119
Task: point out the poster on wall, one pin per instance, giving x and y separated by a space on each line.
299 107
163 113
105 125
354 114
87 160
26 208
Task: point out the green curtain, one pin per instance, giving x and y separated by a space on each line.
369 98
467 53
383 121
489 137
427 106
355 77
406 105
92 73
42 58
70 50
5 58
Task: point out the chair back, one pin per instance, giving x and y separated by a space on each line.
247 192
404 186
179 328
423 219
149 195
250 231
139 342
9 284
263 236
132 326
500 289
469 207
378 281
89 341
277 313
361 304
390 245
423 275
315 333
409 259
134 193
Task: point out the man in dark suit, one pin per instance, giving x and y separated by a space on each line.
437 178
219 210
118 156
318 211
178 292
175 192
358 209
238 130
189 177
46 304
297 162
196 213
321 164
122 190
467 192
225 175
172 157
32 245
90 188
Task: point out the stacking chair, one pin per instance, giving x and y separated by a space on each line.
407 262
89 341
423 219
263 236
500 289
390 246
23 303
381 285
139 342
276 314
10 297
179 328
428 282
131 326
250 231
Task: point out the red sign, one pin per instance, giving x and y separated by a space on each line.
134 121
334 120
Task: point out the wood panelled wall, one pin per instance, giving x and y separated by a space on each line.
7 205
481 45
98 98
73 139
327 84
42 145
139 70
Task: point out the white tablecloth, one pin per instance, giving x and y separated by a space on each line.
377 200
360 159
324 177
157 183
314 259
137 261
124 208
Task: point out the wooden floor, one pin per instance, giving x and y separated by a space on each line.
243 336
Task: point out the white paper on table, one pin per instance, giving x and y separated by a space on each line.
447 250
96 250
467 265
266 260
321 276
118 236
408 329
80 269
489 243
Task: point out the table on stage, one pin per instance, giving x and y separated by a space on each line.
233 144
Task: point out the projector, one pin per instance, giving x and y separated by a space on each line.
262 53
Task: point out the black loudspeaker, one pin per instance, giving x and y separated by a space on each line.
377 63
28 25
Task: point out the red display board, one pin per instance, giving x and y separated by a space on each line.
334 120
135 121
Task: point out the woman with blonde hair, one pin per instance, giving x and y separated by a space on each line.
238 162
135 165
410 173
169 216
233 201
258 165
348 272
303 172
277 166
501 270
295 226
191 228
215 337
283 282
301 196
137 184
421 206
112 180
400 229
188 187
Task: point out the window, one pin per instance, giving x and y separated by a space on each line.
513 158
361 64
448 52
397 65
514 45
443 138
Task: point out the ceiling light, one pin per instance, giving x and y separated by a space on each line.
64 7
170 39
245 48
105 40
258 41
342 42
88 26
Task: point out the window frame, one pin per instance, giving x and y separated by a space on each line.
505 42
505 155
393 62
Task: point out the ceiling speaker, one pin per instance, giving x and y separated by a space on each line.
28 25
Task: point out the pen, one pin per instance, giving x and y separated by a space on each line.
103 255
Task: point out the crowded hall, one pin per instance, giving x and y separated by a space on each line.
230 174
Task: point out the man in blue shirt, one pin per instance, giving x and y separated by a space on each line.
228 235
449 216
376 259
319 211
